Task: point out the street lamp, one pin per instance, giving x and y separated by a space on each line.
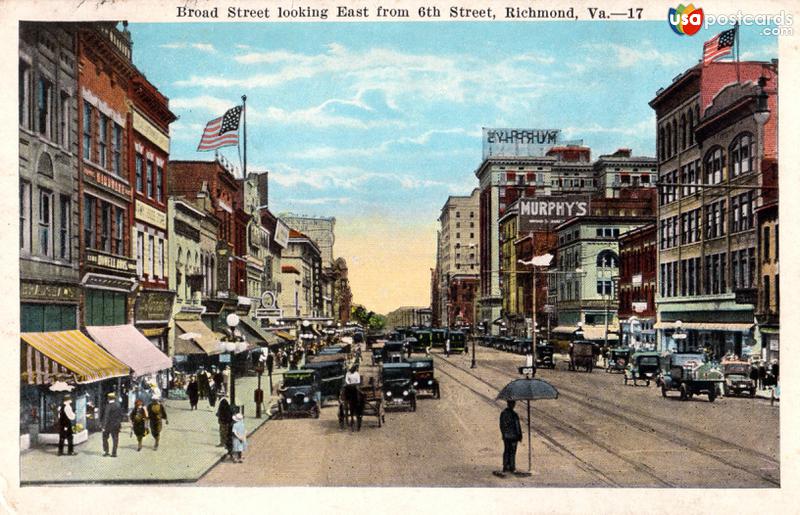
231 344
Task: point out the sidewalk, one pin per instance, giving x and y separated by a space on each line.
186 452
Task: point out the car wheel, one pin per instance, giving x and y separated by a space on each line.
712 394
647 383
663 390
414 403
752 392
315 413
684 392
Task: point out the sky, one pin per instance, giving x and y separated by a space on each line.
377 124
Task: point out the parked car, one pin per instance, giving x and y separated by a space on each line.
737 378
299 393
690 374
397 380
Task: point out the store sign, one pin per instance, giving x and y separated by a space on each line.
639 307
536 213
110 262
636 280
262 313
746 296
40 291
154 306
268 299
519 142
150 215
106 181
151 132
281 234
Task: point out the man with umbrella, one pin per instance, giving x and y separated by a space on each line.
512 434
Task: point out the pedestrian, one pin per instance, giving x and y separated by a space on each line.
139 418
239 438
65 418
447 347
111 424
511 431
156 414
762 375
202 383
213 388
754 374
352 376
224 415
193 393
775 370
219 379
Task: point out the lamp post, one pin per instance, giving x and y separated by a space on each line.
231 344
258 395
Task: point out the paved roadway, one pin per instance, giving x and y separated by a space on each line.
599 432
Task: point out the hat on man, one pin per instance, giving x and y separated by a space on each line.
67 398
112 395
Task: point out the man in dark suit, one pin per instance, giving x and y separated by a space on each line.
111 424
225 420
512 435
65 418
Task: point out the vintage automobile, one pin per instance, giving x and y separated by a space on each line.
397 380
377 351
690 374
394 351
521 346
737 378
423 376
582 354
438 337
458 342
331 370
544 355
299 393
618 359
422 341
643 366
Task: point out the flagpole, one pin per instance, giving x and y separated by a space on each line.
736 28
244 114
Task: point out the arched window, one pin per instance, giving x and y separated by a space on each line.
683 132
669 141
45 165
691 126
741 154
713 164
661 151
674 137
607 259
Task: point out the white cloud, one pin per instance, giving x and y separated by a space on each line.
644 128
204 103
203 47
317 201
626 56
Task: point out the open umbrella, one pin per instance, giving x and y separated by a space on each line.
528 389
61 386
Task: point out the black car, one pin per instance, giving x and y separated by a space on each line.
299 393
422 342
394 351
458 342
544 355
331 371
397 380
438 337
423 376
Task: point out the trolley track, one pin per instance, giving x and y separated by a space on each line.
594 404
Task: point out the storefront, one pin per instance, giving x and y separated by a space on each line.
196 345
717 338
71 360
152 312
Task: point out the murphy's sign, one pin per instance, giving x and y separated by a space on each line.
519 142
543 212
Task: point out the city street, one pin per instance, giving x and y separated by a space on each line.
599 432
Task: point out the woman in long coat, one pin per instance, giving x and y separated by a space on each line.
193 393
239 435
157 414
139 421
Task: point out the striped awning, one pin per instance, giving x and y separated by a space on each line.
48 355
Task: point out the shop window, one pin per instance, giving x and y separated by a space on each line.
105 307
47 317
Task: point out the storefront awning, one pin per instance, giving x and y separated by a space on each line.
48 355
564 329
204 337
590 332
707 326
128 345
259 334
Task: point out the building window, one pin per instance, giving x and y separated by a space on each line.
119 231
25 216
139 171
151 250
89 222
161 258
149 179
607 259
102 135
714 163
63 126
605 287
140 253
87 130
44 107
767 295
24 93
159 182
45 223
105 226
116 162
741 152
65 222
765 244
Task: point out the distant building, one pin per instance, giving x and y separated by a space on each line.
408 316
637 286
318 229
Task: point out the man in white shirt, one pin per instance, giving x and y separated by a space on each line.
65 418
352 376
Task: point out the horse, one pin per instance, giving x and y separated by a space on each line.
351 404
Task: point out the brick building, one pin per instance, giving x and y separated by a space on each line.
713 133
637 286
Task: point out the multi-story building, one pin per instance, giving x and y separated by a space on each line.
715 124
147 164
768 308
619 171
457 254
342 295
109 272
300 295
637 286
317 228
50 290
409 316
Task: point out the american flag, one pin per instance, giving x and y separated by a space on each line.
221 132
718 46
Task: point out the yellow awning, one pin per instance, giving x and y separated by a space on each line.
54 353
205 338
286 336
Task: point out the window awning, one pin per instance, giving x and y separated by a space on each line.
204 337
707 326
130 346
258 333
48 355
